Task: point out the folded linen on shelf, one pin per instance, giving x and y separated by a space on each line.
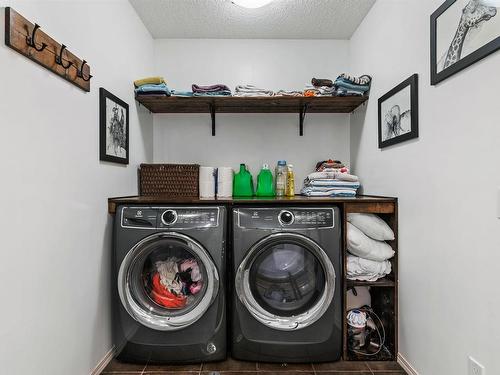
288 93
327 184
332 192
334 174
212 90
317 82
365 269
215 93
347 85
182 93
149 81
153 89
330 164
251 90
361 80
319 91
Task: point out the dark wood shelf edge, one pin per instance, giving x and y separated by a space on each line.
384 282
233 104
360 200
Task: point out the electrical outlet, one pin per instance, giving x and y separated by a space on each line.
475 368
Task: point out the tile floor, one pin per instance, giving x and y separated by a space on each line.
233 367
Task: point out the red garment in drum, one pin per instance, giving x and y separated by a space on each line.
164 297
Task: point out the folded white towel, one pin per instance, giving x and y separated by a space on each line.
365 269
250 90
332 175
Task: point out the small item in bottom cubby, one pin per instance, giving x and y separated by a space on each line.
365 337
367 340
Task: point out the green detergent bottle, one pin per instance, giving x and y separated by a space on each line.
243 183
265 186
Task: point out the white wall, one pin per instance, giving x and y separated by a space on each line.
446 182
250 138
56 232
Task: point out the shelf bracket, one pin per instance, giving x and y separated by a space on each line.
302 116
212 115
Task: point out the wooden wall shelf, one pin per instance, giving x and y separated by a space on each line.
232 104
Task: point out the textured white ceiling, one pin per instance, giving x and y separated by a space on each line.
282 19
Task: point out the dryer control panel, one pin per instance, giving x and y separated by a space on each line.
170 217
187 218
285 218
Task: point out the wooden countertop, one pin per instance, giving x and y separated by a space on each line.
369 203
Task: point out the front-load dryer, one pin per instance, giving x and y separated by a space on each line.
286 300
170 274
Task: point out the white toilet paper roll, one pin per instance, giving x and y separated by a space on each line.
207 182
225 182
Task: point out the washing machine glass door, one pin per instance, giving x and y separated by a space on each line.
286 281
167 281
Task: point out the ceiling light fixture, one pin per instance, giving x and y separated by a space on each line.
252 4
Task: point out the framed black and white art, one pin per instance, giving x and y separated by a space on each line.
398 113
462 33
113 128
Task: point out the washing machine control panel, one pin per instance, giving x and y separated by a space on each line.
188 218
170 217
286 218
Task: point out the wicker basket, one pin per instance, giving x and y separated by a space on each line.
173 180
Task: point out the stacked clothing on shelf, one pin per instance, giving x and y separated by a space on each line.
369 254
319 91
181 93
320 87
212 90
250 90
151 86
347 85
174 281
331 179
288 93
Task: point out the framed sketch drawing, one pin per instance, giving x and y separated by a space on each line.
462 33
398 113
113 128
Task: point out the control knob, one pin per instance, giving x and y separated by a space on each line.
169 217
286 217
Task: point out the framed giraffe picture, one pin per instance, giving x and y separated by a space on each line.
398 113
462 33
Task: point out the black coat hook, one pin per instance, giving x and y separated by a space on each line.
59 59
79 73
30 40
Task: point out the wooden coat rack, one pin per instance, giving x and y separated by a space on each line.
27 39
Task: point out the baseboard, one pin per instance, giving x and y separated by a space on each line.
406 365
104 362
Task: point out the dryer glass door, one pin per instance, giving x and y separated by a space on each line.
167 281
286 281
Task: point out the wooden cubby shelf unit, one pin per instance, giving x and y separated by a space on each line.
384 292
233 104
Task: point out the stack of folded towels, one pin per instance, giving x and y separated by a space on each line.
347 85
331 179
212 90
320 87
369 253
151 86
250 90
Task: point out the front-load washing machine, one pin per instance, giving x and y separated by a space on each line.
286 300
170 274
